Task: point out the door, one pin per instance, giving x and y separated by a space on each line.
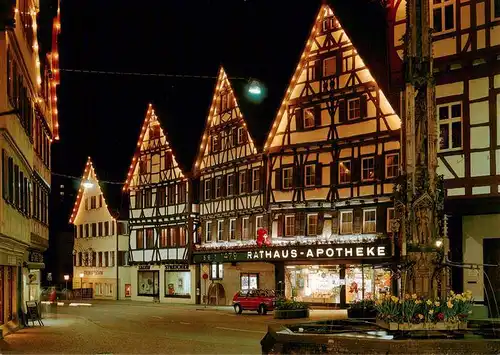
491 255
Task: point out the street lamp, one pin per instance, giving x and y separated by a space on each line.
81 285
66 279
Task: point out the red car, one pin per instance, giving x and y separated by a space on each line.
254 300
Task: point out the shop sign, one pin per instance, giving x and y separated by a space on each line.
93 273
338 251
177 267
144 267
35 256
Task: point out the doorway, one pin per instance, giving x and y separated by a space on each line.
491 255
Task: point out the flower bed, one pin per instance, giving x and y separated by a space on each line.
418 313
362 309
288 309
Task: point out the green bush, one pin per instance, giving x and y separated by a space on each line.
284 304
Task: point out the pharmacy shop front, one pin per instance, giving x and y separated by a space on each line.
330 275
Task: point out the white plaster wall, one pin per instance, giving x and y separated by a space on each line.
475 229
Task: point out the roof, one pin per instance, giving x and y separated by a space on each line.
88 175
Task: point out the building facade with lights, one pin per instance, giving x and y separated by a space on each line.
231 175
466 43
100 252
29 125
162 220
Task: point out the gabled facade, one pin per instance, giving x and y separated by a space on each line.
333 156
162 223
231 171
466 43
100 250
28 125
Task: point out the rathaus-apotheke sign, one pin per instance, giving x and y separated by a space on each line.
335 251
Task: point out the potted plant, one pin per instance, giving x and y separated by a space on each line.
362 309
418 313
288 309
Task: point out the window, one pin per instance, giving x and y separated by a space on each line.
224 102
232 229
289 226
100 229
354 108
215 143
308 114
241 135
450 126
208 189
163 237
101 198
345 172
138 199
168 159
172 194
391 216
94 229
139 239
148 198
217 271
220 230
112 257
106 228
245 228
243 181
100 259
160 196
80 231
328 24
87 232
106 259
348 58
443 15
143 166
249 282
148 283
391 165
369 221
208 231
255 179
329 66
310 175
345 222
172 237
178 284
182 192
312 224
230 184
150 241
287 178
218 186
258 223
368 168
496 5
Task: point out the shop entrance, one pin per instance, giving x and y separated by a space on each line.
216 294
491 252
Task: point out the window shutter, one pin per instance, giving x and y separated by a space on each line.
223 183
317 115
335 222
236 183
356 170
212 188
319 174
299 119
334 173
225 232
281 225
237 230
245 135
379 167
213 231
381 219
342 111
321 222
251 228
202 190
5 180
357 225
249 181
299 224
318 73
277 179
362 106
234 132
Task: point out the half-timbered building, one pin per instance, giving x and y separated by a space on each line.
100 243
466 43
333 156
161 220
230 170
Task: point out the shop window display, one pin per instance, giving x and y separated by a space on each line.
148 283
177 284
313 283
364 282
249 282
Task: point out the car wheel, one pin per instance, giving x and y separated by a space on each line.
238 309
262 309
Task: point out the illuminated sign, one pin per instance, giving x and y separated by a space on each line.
335 251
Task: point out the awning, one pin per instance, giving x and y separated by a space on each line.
34 266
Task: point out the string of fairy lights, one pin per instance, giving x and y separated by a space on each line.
79 178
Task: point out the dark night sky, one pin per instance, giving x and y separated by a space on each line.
101 115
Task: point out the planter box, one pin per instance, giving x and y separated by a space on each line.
291 313
421 326
361 313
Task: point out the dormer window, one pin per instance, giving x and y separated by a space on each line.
308 117
328 24
241 135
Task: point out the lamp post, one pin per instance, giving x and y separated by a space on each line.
81 285
66 279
